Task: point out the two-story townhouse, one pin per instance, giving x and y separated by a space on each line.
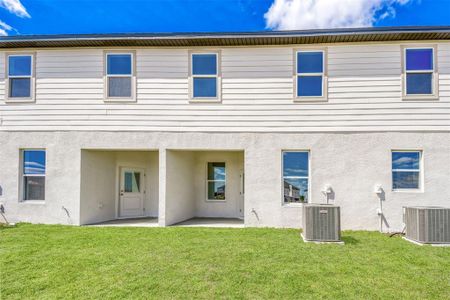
230 125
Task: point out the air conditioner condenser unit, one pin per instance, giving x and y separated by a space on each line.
321 223
427 225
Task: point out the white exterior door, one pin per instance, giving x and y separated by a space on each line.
131 202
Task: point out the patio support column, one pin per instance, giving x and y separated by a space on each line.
162 187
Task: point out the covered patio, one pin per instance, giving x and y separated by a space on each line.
204 188
117 185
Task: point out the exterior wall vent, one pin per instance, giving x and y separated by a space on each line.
427 225
321 223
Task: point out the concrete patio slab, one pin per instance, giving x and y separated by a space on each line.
212 222
135 222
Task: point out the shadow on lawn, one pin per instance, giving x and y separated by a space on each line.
349 240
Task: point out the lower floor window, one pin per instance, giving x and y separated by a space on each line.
33 173
406 170
216 181
295 176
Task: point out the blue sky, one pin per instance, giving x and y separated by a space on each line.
113 16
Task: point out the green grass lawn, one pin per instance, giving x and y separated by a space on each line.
39 261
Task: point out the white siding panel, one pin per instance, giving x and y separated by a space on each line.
257 87
159 64
222 123
257 76
305 120
125 126
42 110
257 63
444 71
69 64
369 73
381 60
66 76
2 78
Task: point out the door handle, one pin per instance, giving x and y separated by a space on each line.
121 192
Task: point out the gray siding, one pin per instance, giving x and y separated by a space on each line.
364 93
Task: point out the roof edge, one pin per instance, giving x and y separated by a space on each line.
230 38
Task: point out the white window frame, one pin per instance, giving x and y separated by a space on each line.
132 97
420 171
434 75
217 76
23 175
212 180
10 99
283 203
324 75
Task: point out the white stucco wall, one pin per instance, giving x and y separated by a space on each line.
352 163
98 182
180 191
62 192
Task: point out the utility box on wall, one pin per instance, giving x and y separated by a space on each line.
321 223
427 225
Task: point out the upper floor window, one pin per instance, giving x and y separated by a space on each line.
295 176
406 170
20 76
419 71
33 174
204 72
310 77
119 75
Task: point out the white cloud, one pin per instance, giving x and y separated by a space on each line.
4 28
15 7
316 14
